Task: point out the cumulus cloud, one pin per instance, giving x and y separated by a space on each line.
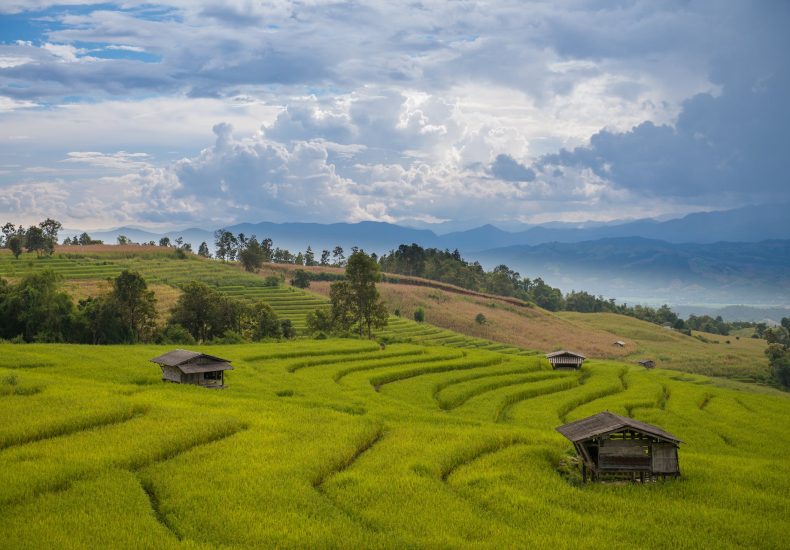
333 111
507 168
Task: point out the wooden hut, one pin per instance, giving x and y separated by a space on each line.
619 343
612 446
191 367
565 359
647 363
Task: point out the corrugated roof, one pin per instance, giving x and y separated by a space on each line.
181 356
607 422
564 352
205 367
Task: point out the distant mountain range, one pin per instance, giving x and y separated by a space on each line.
694 259
645 270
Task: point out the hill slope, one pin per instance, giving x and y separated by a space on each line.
342 444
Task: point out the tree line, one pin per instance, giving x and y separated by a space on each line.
37 309
41 238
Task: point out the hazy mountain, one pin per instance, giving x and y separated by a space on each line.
647 270
747 224
771 315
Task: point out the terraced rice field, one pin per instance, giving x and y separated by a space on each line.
340 443
288 302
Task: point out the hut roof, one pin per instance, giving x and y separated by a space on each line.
619 343
179 357
564 352
608 422
646 362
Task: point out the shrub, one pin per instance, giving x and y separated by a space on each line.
288 329
272 280
480 319
301 279
229 337
419 315
176 334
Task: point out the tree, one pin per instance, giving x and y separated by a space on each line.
785 322
419 315
164 241
203 250
320 320
123 240
36 309
301 279
195 310
337 256
15 244
136 305
480 319
85 240
362 274
99 320
309 257
50 229
325 257
226 245
251 255
9 230
265 323
35 241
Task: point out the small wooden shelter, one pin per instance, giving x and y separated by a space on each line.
619 343
612 446
191 367
647 363
565 359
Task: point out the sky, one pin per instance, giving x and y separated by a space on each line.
206 113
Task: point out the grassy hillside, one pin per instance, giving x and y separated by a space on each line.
528 327
450 313
342 444
702 353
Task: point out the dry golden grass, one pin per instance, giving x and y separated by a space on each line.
110 248
702 353
531 328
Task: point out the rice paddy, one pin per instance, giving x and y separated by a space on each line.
339 443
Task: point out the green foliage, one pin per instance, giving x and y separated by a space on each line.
480 319
301 279
176 334
36 309
419 315
252 255
203 251
320 320
136 305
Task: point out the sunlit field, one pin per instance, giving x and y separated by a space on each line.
340 443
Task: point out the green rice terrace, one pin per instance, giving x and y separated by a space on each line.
343 444
160 268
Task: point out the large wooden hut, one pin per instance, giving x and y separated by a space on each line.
611 445
191 367
564 359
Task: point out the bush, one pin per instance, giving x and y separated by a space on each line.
301 279
480 319
397 312
272 280
419 315
288 329
229 337
176 334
